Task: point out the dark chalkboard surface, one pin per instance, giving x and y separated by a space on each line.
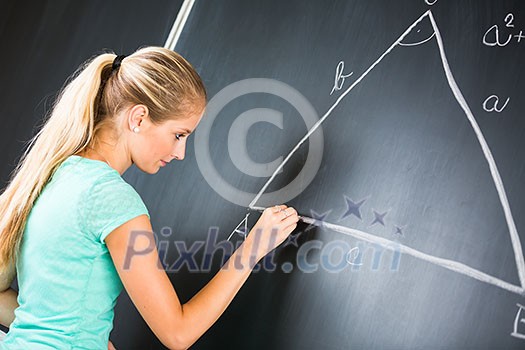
414 176
411 185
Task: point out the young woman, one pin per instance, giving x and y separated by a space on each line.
68 219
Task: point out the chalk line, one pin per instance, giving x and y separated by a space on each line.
515 239
446 263
420 42
243 232
339 99
517 320
395 246
178 24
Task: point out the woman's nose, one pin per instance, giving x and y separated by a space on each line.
178 152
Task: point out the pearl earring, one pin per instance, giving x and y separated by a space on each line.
136 129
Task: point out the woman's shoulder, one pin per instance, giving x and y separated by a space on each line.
109 202
82 172
86 164
93 182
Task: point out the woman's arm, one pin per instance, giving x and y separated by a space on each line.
8 296
8 304
179 326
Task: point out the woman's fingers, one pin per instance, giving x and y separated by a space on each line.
288 230
290 212
274 226
275 209
276 214
290 215
283 210
278 208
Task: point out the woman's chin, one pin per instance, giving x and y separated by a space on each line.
150 170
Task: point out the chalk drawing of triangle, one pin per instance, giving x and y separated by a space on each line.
446 263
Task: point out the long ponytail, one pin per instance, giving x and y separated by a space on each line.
69 129
157 77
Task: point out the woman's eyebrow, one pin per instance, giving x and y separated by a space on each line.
187 131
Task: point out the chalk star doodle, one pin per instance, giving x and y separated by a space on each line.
352 208
292 239
319 219
399 231
379 218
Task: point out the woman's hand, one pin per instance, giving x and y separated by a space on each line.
110 346
273 227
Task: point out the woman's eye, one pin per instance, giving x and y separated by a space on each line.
178 136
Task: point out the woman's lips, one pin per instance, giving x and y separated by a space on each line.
163 162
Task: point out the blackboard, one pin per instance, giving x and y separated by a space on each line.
418 192
402 179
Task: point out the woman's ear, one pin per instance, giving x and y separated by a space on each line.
137 114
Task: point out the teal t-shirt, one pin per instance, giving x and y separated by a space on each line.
68 284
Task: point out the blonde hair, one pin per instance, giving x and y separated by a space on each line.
156 77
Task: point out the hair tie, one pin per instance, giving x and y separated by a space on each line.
117 61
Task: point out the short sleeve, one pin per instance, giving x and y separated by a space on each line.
109 203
